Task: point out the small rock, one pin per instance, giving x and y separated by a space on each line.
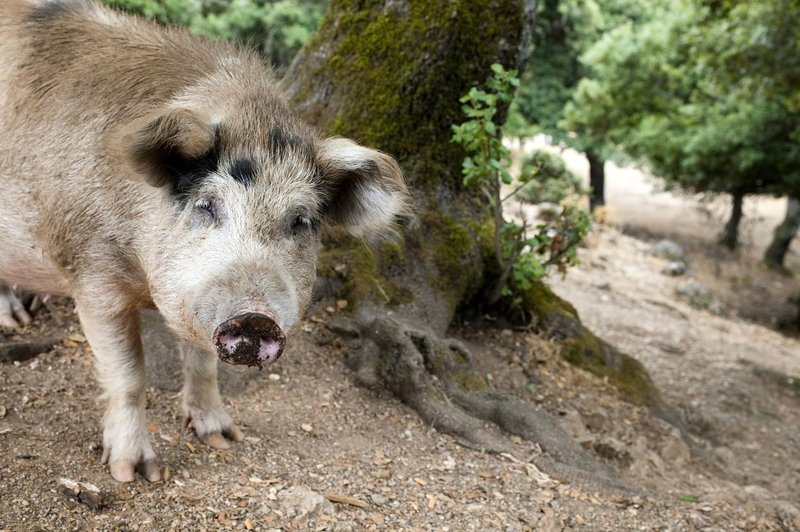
758 492
306 427
696 294
449 463
724 455
573 423
718 309
378 499
667 249
602 285
300 501
675 269
274 377
676 451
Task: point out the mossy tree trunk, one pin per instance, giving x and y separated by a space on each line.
389 73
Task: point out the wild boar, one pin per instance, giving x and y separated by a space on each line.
141 166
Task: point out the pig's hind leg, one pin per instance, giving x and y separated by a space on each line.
202 404
117 347
12 312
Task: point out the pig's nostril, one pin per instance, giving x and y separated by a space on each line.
251 339
269 350
230 342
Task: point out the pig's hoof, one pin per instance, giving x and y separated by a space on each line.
12 312
151 471
219 440
124 470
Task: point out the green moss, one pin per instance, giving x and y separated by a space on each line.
355 265
393 255
454 367
469 381
394 62
546 305
623 372
559 321
448 247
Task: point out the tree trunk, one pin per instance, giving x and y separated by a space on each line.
390 73
784 234
597 180
730 234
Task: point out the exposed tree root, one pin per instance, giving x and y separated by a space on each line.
437 378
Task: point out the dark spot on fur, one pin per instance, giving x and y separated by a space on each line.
243 171
188 173
53 9
281 141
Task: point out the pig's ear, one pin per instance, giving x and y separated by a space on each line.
367 194
168 147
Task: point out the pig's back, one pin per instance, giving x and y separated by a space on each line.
76 65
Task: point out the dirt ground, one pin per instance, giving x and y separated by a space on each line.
324 454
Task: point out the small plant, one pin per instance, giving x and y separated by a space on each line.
547 179
523 254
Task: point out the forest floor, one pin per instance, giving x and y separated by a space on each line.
324 454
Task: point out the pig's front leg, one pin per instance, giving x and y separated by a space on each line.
202 403
120 368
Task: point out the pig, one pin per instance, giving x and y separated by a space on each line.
142 167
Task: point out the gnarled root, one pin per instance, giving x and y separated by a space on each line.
436 377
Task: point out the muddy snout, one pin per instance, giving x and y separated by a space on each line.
250 339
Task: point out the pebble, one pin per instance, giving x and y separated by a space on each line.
667 249
675 269
299 501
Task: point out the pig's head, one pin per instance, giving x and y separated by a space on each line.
244 195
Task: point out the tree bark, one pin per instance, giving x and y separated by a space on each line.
597 180
390 73
730 234
784 234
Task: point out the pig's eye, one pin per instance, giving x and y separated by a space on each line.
302 224
206 207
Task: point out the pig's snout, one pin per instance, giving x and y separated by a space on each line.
251 339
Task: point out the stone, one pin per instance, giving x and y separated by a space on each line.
300 501
667 249
695 294
675 269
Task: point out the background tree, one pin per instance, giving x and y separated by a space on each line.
784 234
564 30
655 93
277 28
